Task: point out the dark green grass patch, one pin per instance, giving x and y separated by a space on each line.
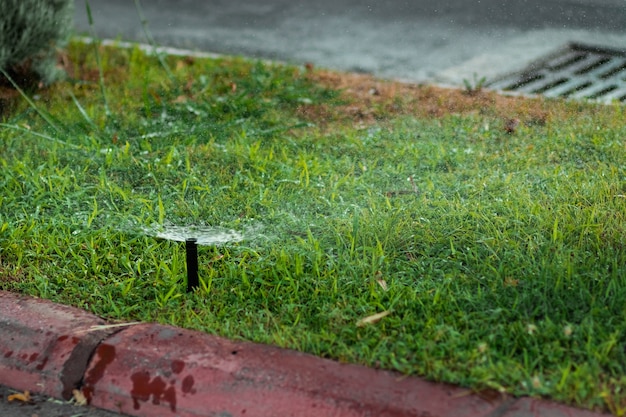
499 258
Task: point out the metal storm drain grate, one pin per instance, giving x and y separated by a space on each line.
576 71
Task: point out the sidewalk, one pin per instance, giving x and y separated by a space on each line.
155 370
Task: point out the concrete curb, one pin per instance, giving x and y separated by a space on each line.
156 370
191 373
45 347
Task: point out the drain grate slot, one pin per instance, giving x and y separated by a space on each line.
523 82
576 71
603 92
588 69
614 71
566 61
550 86
581 91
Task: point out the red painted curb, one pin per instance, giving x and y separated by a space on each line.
44 347
534 407
155 370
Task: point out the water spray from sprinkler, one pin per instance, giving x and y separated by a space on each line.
202 235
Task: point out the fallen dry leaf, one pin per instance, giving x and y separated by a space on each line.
79 397
511 125
108 326
510 282
23 397
373 318
381 281
180 99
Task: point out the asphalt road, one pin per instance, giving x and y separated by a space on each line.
418 40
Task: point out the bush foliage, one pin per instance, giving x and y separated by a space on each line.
30 33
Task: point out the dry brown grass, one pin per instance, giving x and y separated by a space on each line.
368 100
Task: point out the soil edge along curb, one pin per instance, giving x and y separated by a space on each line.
156 370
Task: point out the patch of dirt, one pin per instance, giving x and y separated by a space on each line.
8 277
31 84
8 96
367 100
24 77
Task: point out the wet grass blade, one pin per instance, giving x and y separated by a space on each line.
151 41
96 45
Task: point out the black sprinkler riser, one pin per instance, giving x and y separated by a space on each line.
191 248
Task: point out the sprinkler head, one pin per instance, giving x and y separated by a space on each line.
191 250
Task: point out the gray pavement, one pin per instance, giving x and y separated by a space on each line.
443 41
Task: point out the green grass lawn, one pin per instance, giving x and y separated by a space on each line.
496 255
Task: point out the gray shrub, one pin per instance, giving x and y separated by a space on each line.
31 31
